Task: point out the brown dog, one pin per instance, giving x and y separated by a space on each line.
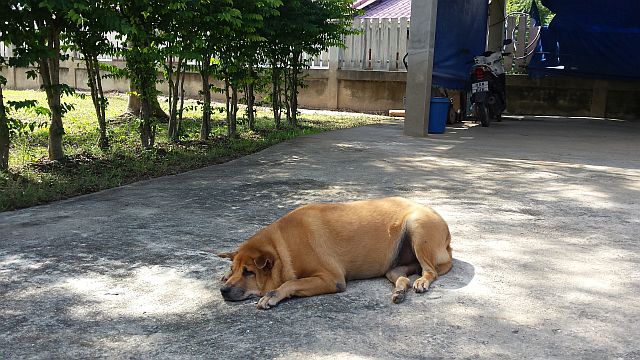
316 248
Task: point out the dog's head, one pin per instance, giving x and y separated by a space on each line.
250 274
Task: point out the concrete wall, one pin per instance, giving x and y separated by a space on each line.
355 90
381 91
569 96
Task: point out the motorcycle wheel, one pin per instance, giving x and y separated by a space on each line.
482 114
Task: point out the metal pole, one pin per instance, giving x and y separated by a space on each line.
422 38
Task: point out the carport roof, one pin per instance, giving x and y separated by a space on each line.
384 8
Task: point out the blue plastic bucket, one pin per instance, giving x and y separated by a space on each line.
438 113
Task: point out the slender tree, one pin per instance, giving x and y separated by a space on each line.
304 26
178 45
4 126
143 22
4 120
207 23
35 29
90 22
11 127
239 51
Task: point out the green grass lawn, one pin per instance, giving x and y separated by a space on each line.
33 179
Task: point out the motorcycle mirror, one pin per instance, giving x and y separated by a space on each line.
507 41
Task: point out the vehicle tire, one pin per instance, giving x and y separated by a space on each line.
482 114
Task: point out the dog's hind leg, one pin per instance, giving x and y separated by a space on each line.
428 275
430 242
399 277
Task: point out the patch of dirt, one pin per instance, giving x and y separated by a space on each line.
69 162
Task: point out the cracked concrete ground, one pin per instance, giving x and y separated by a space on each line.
544 214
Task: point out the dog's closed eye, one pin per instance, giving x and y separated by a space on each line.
247 272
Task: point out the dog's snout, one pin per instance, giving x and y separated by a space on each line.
233 293
225 290
230 293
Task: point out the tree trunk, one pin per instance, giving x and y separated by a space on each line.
205 126
232 117
103 140
146 80
227 105
174 88
171 85
147 130
180 112
275 95
287 94
250 98
4 135
171 96
251 115
295 71
134 106
97 97
50 71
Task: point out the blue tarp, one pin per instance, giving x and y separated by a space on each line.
590 38
461 32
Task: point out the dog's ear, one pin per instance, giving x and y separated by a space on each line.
228 255
264 261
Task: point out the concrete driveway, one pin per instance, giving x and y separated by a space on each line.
544 213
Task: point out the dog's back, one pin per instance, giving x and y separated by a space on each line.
363 238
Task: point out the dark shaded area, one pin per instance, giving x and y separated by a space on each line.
589 38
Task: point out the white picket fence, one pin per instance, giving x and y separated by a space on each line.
522 30
6 51
380 44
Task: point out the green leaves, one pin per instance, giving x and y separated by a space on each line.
525 5
18 127
32 74
24 104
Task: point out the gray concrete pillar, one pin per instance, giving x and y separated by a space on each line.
12 81
68 68
497 14
10 74
422 38
332 81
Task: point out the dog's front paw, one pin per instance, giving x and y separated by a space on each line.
268 301
421 285
398 296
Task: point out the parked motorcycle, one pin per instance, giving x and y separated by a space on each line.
488 85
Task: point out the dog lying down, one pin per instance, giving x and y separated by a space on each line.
316 248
